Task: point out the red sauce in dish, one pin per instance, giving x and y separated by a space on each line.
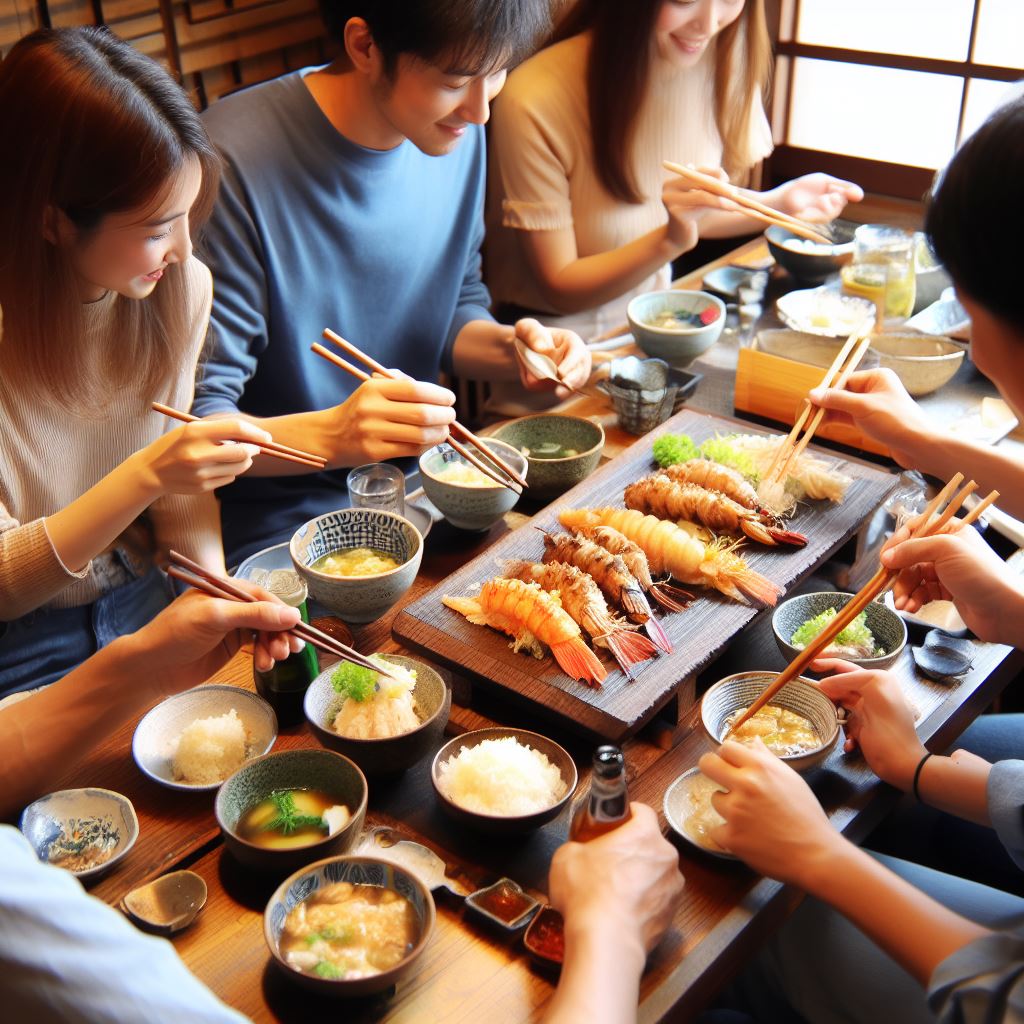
503 901
545 936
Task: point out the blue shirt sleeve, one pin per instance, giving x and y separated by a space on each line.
66 956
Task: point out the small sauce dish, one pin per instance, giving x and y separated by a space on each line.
504 903
545 938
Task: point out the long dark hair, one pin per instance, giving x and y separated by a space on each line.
94 128
618 71
977 214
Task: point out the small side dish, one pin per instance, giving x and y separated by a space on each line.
856 641
355 562
782 731
84 843
375 707
210 749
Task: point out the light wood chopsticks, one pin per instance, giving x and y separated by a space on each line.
272 448
751 207
456 427
846 361
194 575
883 579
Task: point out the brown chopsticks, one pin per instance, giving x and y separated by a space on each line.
194 575
846 361
925 526
272 448
751 207
456 427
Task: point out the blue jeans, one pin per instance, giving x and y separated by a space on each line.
43 646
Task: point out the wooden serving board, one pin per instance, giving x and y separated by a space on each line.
699 634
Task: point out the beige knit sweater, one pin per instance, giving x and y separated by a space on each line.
50 455
542 175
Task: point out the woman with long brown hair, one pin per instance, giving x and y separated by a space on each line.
581 214
104 310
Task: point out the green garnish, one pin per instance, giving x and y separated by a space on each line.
342 936
856 634
354 681
325 969
718 449
288 819
670 449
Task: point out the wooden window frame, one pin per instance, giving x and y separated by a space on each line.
899 180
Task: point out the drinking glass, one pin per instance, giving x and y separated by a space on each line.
883 270
377 485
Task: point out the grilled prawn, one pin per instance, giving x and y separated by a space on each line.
716 477
532 617
609 571
663 497
582 599
670 598
671 549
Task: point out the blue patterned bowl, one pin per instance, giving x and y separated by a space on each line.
357 870
325 770
79 820
358 598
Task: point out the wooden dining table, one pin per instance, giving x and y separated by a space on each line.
469 971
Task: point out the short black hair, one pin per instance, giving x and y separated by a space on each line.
977 215
470 36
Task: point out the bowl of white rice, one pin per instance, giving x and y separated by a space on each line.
196 739
503 781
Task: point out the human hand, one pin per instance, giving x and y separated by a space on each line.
390 418
626 882
197 634
687 205
772 819
876 402
564 348
199 457
958 566
879 720
814 197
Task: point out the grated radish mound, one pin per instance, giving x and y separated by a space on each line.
501 777
210 749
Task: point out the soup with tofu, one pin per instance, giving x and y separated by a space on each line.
782 731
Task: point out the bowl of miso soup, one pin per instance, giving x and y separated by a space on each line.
560 450
357 561
349 926
281 811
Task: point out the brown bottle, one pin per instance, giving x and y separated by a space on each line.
607 806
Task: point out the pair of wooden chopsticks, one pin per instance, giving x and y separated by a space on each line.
846 361
878 584
194 575
272 448
504 474
751 207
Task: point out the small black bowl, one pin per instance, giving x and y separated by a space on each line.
811 266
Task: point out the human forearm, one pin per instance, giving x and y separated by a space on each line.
314 432
956 784
483 350
915 930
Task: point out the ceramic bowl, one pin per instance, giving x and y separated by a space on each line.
922 362
389 756
810 263
503 824
888 629
550 477
73 820
678 809
681 344
358 598
291 769
465 506
825 312
801 696
168 904
357 870
156 735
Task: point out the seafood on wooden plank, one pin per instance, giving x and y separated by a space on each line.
672 550
610 573
661 496
532 617
716 477
671 598
582 599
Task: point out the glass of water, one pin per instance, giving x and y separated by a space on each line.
377 485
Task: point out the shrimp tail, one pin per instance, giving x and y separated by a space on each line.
468 606
578 661
635 604
672 599
798 540
758 531
628 648
658 635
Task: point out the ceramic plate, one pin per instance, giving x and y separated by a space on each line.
677 811
825 312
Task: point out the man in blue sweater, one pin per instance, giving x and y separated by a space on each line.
352 198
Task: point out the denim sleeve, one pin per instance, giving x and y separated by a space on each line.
65 956
983 983
1006 806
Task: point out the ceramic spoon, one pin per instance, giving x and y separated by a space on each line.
167 905
384 843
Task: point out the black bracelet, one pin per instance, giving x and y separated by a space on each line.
917 777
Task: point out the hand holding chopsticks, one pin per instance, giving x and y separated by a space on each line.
194 575
272 448
924 526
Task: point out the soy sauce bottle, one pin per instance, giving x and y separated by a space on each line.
607 806
284 686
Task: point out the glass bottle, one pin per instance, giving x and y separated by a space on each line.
284 686
607 806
